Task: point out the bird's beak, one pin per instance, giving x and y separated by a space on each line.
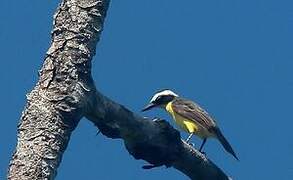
148 107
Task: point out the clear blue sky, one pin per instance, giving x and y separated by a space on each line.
234 57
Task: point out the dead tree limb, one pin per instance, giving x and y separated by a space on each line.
66 92
155 141
59 99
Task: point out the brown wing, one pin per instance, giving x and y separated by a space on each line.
193 112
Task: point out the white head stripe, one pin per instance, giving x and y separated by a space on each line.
163 93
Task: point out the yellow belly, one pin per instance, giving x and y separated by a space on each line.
187 125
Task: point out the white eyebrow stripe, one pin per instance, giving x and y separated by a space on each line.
163 93
155 97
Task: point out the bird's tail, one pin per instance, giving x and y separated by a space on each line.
224 142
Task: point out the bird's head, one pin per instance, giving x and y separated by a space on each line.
160 99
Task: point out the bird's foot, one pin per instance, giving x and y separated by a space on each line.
191 144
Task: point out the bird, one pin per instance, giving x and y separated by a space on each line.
190 117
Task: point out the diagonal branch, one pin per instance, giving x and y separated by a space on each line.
66 92
152 140
59 99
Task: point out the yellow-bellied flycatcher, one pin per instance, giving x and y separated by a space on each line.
190 117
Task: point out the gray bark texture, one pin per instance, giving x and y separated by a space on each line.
66 92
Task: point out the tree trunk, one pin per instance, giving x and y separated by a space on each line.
66 92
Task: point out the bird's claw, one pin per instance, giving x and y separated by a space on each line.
191 144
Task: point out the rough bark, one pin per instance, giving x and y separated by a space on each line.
66 92
59 99
155 141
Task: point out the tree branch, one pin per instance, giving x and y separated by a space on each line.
66 92
58 101
155 141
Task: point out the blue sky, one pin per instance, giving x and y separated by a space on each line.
233 57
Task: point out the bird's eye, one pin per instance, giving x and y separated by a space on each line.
158 98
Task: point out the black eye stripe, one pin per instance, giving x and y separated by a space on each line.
159 97
164 99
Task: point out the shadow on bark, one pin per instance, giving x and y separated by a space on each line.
66 92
